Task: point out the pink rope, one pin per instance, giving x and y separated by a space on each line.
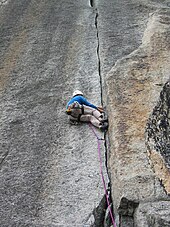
102 176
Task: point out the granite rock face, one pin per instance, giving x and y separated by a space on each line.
117 53
138 108
50 172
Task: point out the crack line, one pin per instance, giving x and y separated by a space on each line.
91 3
98 55
101 93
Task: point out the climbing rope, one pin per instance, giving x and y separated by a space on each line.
101 172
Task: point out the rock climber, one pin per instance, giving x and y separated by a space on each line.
80 110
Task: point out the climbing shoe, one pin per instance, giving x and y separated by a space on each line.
104 120
103 127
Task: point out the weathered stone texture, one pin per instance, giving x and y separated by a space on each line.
133 86
153 214
49 169
158 138
3 2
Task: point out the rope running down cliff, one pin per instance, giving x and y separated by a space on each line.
102 176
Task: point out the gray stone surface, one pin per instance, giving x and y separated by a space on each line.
121 25
153 214
49 169
133 88
3 2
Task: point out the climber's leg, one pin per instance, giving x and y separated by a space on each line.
91 111
91 119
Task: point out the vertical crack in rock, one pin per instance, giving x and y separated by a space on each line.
91 3
158 138
102 218
98 55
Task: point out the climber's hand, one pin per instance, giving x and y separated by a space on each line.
100 109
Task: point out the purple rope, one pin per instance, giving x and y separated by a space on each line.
102 176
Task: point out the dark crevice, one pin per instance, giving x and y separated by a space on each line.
108 221
99 213
126 212
98 56
104 218
91 3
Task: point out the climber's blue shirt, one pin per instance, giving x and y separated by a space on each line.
81 100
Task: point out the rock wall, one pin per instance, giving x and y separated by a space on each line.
117 53
139 128
50 172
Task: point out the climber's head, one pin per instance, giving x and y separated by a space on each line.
77 92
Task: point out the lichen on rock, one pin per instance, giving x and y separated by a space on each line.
158 137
